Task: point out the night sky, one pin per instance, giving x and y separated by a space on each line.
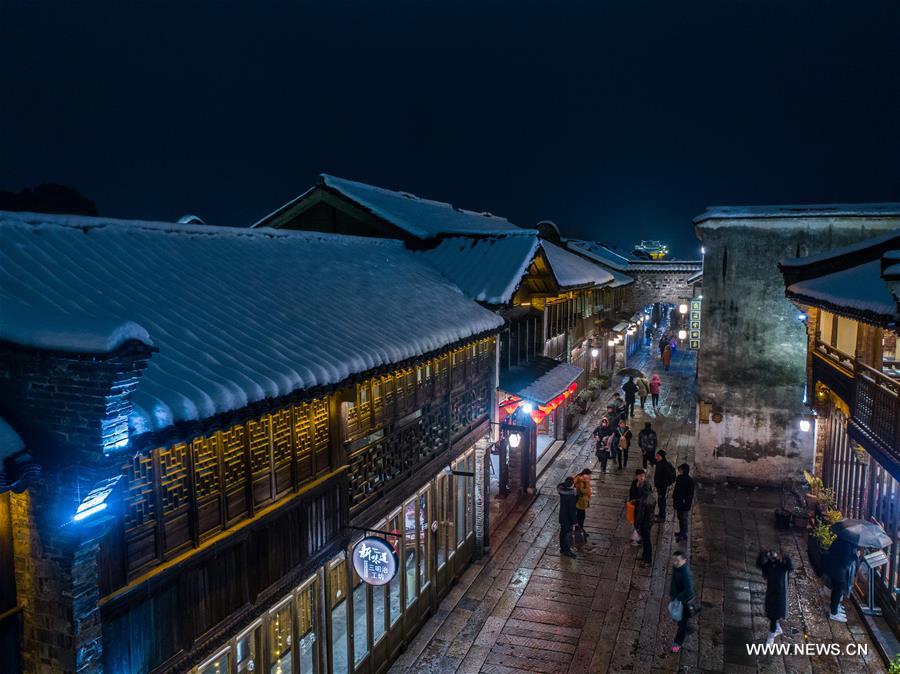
618 120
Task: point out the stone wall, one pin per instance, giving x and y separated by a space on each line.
752 361
652 287
72 411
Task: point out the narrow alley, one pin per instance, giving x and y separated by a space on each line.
526 608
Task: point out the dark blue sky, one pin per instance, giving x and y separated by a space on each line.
618 120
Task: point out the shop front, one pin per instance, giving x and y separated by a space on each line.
335 622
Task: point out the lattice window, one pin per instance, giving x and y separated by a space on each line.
233 456
206 466
303 429
139 502
282 444
441 374
173 478
260 455
320 423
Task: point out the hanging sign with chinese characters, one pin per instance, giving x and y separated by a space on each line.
375 561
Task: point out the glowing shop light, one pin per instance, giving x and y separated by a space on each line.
804 425
95 501
682 334
682 308
514 439
611 342
528 408
595 353
703 250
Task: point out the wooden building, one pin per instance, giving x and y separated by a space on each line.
552 301
218 416
850 298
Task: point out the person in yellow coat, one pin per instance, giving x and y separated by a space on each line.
583 495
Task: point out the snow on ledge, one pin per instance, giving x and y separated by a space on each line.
39 327
868 210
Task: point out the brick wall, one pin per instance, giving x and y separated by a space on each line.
66 405
72 411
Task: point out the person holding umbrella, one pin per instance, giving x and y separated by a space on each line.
840 563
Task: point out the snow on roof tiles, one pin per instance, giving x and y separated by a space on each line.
599 252
799 211
571 270
10 442
422 218
486 269
238 315
859 288
539 380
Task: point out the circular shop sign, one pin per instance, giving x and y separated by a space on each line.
375 561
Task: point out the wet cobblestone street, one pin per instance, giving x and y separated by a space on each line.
526 608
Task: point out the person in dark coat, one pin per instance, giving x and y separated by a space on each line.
647 442
568 516
630 389
683 499
622 440
601 440
663 343
681 589
841 556
643 518
634 495
663 478
775 568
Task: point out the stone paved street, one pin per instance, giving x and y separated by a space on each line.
528 609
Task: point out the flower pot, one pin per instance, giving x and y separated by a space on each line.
812 501
801 521
816 554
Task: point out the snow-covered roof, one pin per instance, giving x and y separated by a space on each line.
487 269
665 266
539 380
238 315
860 289
600 253
419 217
842 251
619 279
799 211
571 270
491 269
10 442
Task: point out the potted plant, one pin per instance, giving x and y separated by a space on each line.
800 515
818 542
895 665
582 400
815 487
604 378
594 386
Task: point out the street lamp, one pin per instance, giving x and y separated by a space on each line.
514 439
682 334
528 408
682 308
804 425
595 352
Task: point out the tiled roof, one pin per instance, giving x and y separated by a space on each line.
238 315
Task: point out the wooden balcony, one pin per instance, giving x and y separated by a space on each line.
876 408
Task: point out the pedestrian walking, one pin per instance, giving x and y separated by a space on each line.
647 443
840 559
582 483
634 495
663 478
683 499
568 518
630 389
643 517
663 343
667 357
681 589
643 390
622 438
775 568
602 435
655 385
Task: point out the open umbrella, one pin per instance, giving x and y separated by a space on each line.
630 372
861 533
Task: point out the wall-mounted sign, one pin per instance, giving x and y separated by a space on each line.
375 561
